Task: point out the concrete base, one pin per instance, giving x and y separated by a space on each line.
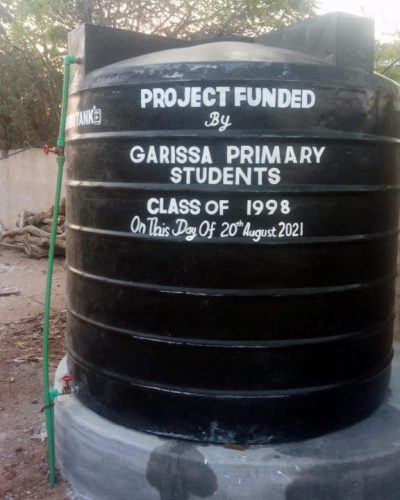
104 461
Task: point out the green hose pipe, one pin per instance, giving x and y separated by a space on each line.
50 394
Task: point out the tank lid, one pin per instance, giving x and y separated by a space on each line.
221 52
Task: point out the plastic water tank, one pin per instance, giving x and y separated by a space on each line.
232 239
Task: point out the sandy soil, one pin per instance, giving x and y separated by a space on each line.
23 460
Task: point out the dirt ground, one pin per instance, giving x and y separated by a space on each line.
23 461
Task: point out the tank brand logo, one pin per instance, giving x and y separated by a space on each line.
91 116
197 97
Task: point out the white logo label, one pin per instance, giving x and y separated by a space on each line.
91 116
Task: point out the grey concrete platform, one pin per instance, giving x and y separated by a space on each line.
104 461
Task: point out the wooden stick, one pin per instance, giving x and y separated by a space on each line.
35 231
12 245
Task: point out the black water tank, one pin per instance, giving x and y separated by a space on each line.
232 239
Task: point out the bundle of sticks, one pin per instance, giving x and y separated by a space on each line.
32 233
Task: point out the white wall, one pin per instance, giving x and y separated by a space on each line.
27 181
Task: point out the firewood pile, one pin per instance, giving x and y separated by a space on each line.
32 233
